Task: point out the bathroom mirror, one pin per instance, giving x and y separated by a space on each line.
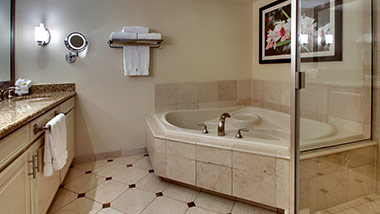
75 42
7 43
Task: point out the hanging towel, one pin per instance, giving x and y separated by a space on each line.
136 58
122 35
55 152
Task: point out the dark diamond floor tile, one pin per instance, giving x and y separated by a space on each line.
132 185
159 194
106 205
129 165
191 204
151 171
81 195
88 172
108 178
110 160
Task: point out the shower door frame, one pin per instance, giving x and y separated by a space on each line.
297 82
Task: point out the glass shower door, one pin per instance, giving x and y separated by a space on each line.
333 106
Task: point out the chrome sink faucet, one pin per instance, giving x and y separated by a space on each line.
7 90
221 124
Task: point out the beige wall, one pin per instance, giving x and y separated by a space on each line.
356 50
204 40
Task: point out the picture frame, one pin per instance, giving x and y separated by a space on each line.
321 34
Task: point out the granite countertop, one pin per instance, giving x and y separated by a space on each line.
19 111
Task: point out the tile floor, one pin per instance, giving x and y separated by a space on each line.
129 185
367 205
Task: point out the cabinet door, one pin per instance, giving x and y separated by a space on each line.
44 187
70 123
15 197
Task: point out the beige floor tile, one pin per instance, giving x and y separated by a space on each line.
107 191
198 210
73 174
152 183
351 211
130 175
214 203
241 208
143 163
84 183
109 169
90 165
180 193
81 206
128 159
133 200
109 210
363 209
61 199
164 205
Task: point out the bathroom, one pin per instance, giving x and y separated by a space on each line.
136 143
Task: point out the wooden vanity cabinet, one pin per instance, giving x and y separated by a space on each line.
23 187
15 191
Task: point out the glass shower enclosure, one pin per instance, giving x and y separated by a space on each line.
333 155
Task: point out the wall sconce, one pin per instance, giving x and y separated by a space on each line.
41 35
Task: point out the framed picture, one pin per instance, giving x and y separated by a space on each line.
321 31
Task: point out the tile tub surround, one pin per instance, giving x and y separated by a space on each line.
194 95
19 111
225 167
344 106
126 185
330 180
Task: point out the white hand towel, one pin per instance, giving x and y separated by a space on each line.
154 36
136 58
55 152
122 35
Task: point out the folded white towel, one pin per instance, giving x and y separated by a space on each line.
135 29
155 36
55 152
122 35
136 58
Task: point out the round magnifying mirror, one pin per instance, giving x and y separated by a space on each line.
76 42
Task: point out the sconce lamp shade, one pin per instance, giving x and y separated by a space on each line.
41 35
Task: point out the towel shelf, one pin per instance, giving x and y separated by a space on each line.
134 42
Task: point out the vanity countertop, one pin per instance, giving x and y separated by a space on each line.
19 111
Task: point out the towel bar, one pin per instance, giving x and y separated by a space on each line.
37 128
133 42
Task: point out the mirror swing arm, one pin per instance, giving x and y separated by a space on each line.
75 42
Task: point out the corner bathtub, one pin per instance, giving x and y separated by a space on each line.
227 165
267 128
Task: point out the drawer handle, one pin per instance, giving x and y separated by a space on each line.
33 161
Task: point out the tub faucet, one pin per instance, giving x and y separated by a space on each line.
221 124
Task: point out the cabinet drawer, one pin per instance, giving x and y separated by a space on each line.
13 145
40 122
67 106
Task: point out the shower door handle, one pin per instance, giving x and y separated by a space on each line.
300 80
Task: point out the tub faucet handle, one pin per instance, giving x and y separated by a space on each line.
238 134
204 131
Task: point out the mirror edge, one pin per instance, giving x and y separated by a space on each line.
12 81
